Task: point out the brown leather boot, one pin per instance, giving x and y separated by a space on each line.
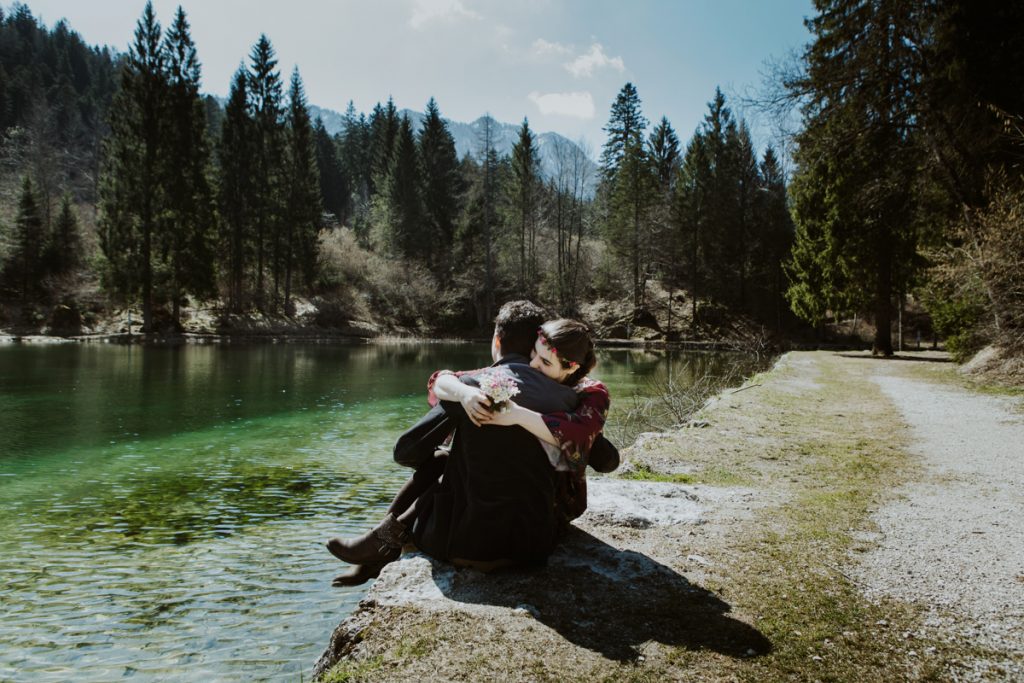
379 545
358 575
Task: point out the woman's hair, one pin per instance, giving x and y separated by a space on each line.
571 342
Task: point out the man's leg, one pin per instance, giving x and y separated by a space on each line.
383 544
422 479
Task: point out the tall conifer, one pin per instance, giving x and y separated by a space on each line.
407 235
23 266
302 218
441 184
131 192
237 153
265 101
188 229
628 182
525 188
335 193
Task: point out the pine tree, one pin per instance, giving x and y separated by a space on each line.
384 122
188 227
335 193
625 128
237 153
302 219
65 241
690 216
663 147
131 192
858 71
489 169
721 203
744 174
265 95
407 236
774 238
25 260
356 161
663 150
525 189
629 184
440 183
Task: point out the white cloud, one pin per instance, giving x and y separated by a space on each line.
578 105
425 10
595 58
543 47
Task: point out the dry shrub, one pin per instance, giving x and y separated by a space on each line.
399 292
669 403
976 295
342 261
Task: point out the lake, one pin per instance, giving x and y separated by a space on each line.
163 510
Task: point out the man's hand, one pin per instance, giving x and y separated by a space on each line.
512 416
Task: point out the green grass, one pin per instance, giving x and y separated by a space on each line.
643 472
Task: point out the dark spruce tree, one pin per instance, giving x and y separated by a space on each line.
267 197
855 161
131 192
188 228
488 217
406 234
24 263
774 238
302 182
441 186
237 155
663 148
384 122
356 161
721 204
690 218
525 191
65 244
628 183
335 192
741 244
663 151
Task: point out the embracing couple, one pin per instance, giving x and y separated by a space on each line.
496 482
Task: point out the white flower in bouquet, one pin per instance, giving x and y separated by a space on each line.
499 385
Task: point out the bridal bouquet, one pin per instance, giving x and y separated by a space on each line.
499 385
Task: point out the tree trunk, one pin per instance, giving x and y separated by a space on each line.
883 302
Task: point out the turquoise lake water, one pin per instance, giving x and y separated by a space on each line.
163 510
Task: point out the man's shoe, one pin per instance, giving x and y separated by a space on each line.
358 575
379 545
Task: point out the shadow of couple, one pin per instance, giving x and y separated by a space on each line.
609 601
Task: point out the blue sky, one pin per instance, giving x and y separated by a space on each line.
558 62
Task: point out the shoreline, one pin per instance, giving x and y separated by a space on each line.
243 338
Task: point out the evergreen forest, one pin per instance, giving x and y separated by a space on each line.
898 202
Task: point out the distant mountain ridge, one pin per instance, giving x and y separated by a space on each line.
467 140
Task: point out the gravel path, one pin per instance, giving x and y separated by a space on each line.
953 541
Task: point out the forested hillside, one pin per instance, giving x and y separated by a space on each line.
123 185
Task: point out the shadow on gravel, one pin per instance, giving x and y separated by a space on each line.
610 601
917 359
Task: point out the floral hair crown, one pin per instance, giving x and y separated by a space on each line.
544 340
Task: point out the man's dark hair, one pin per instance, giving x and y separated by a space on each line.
516 326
